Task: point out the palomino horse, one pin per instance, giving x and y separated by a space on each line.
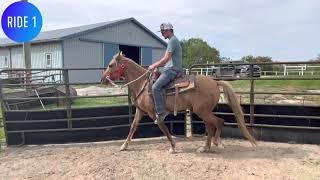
201 100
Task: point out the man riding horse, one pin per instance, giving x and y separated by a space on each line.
201 100
172 60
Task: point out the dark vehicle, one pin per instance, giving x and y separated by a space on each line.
224 71
233 69
244 70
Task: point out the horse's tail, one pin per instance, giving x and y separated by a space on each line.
236 108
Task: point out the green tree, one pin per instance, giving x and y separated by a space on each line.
197 51
258 59
317 59
249 59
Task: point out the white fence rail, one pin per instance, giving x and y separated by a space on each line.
211 71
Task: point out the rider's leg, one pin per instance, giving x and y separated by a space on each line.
158 91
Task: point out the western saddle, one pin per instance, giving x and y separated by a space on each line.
179 85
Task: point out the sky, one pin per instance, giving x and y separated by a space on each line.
286 30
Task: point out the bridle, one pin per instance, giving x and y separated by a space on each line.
119 72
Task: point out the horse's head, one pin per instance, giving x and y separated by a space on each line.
115 70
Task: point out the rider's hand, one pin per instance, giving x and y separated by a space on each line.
152 67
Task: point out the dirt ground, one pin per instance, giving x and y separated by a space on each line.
150 159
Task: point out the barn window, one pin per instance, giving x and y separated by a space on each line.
48 59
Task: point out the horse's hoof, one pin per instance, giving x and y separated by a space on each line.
203 149
255 145
173 145
124 147
220 146
172 151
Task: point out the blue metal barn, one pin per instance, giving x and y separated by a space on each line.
85 47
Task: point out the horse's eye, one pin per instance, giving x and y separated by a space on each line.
110 65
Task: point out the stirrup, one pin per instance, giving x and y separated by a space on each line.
161 117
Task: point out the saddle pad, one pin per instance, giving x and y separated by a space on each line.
184 83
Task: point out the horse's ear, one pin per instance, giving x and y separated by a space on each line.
118 55
121 54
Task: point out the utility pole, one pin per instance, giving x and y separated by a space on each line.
27 58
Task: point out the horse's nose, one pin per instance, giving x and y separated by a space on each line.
103 79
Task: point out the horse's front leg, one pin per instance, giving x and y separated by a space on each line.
137 117
166 132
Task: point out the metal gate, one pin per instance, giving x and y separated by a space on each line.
74 124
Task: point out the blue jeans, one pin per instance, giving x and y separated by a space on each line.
158 89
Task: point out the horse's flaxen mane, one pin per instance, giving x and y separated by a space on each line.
132 62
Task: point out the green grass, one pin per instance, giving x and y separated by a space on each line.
90 102
277 85
2 137
96 102
281 86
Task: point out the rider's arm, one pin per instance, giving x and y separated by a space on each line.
167 57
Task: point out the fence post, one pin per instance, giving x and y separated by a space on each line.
67 97
3 109
251 96
188 126
188 118
130 106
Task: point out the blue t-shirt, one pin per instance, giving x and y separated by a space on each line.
175 49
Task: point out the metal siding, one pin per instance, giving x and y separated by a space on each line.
79 54
109 51
157 54
125 33
37 55
4 53
146 58
17 58
38 60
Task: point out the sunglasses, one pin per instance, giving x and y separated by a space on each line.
163 30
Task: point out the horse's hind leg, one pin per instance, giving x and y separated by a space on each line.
217 123
217 139
137 117
207 147
211 122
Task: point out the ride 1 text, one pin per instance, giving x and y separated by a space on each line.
22 22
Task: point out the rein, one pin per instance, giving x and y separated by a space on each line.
127 84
